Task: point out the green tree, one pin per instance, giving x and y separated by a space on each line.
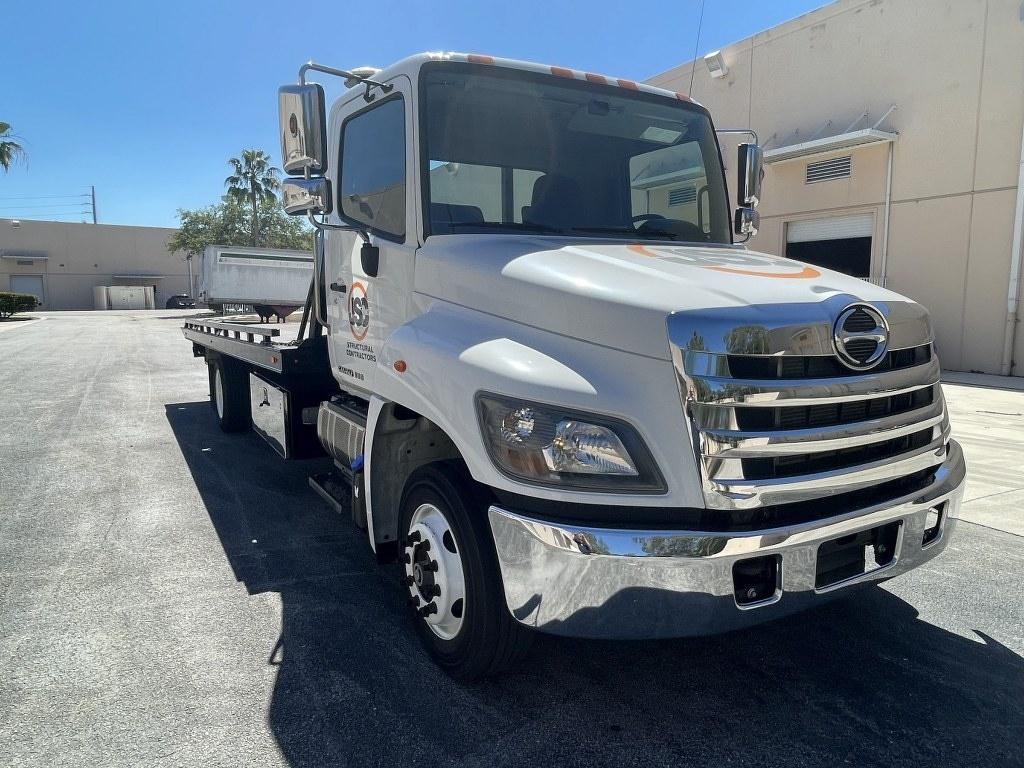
229 223
10 149
253 183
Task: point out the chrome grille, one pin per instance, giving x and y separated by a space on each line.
791 423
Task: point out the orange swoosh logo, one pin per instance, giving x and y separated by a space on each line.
806 272
639 249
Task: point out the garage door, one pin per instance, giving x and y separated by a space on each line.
32 284
832 228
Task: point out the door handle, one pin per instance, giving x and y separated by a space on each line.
338 287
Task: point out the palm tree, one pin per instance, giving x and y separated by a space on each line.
253 183
10 150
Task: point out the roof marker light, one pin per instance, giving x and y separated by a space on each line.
476 58
562 72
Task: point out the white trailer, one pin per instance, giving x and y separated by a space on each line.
561 405
274 278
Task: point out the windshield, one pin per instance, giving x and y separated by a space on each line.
514 151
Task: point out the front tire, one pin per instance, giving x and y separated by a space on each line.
451 571
229 394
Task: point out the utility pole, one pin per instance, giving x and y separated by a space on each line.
93 188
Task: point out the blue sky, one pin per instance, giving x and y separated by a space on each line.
147 101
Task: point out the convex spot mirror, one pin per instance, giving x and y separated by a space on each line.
749 163
303 196
303 127
746 222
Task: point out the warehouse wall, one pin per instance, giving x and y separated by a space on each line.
955 70
81 256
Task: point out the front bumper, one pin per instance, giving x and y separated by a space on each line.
623 583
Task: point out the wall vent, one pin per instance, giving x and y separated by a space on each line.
682 195
827 170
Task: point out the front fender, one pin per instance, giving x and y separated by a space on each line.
451 353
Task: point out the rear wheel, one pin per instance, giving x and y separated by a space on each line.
229 394
451 572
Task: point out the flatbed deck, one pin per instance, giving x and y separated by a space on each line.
258 345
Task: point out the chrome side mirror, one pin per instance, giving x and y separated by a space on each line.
749 166
303 126
306 196
746 222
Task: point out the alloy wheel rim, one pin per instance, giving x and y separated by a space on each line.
434 572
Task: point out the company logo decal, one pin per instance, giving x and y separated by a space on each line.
860 336
733 263
358 311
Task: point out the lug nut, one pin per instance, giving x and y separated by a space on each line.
435 590
428 609
405 558
408 581
426 546
414 601
431 566
413 537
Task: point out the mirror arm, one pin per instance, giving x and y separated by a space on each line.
744 131
368 82
323 225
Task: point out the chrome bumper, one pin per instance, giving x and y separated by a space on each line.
622 583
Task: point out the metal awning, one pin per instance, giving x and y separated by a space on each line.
862 138
31 256
138 277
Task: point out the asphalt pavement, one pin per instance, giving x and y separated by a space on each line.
174 596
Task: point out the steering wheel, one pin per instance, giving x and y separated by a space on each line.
645 217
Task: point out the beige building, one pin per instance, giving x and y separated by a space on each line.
61 263
893 135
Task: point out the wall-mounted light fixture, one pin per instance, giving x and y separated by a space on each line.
716 64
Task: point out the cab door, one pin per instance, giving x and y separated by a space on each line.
373 190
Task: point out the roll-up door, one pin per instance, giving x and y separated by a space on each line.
831 228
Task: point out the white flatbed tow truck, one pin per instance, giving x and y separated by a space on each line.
556 386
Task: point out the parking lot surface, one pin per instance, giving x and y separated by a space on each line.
170 595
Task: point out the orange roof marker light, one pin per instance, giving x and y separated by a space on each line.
476 58
592 78
683 97
562 72
628 84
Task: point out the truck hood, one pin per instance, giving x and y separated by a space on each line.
620 294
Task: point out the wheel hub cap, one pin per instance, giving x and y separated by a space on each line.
433 569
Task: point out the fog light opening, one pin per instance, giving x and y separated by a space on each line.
757 580
933 524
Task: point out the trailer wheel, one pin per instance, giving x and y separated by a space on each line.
229 394
451 571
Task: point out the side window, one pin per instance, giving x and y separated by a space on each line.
372 186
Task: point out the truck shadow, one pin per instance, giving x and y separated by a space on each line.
862 680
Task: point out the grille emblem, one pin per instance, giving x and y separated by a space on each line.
860 336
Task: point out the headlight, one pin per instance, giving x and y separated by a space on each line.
555 446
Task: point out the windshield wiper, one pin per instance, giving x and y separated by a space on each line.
630 231
510 225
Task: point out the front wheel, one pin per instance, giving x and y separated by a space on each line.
451 572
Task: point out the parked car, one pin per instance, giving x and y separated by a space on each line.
181 301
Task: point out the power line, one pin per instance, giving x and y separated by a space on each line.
48 205
45 197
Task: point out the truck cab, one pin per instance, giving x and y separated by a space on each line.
568 398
